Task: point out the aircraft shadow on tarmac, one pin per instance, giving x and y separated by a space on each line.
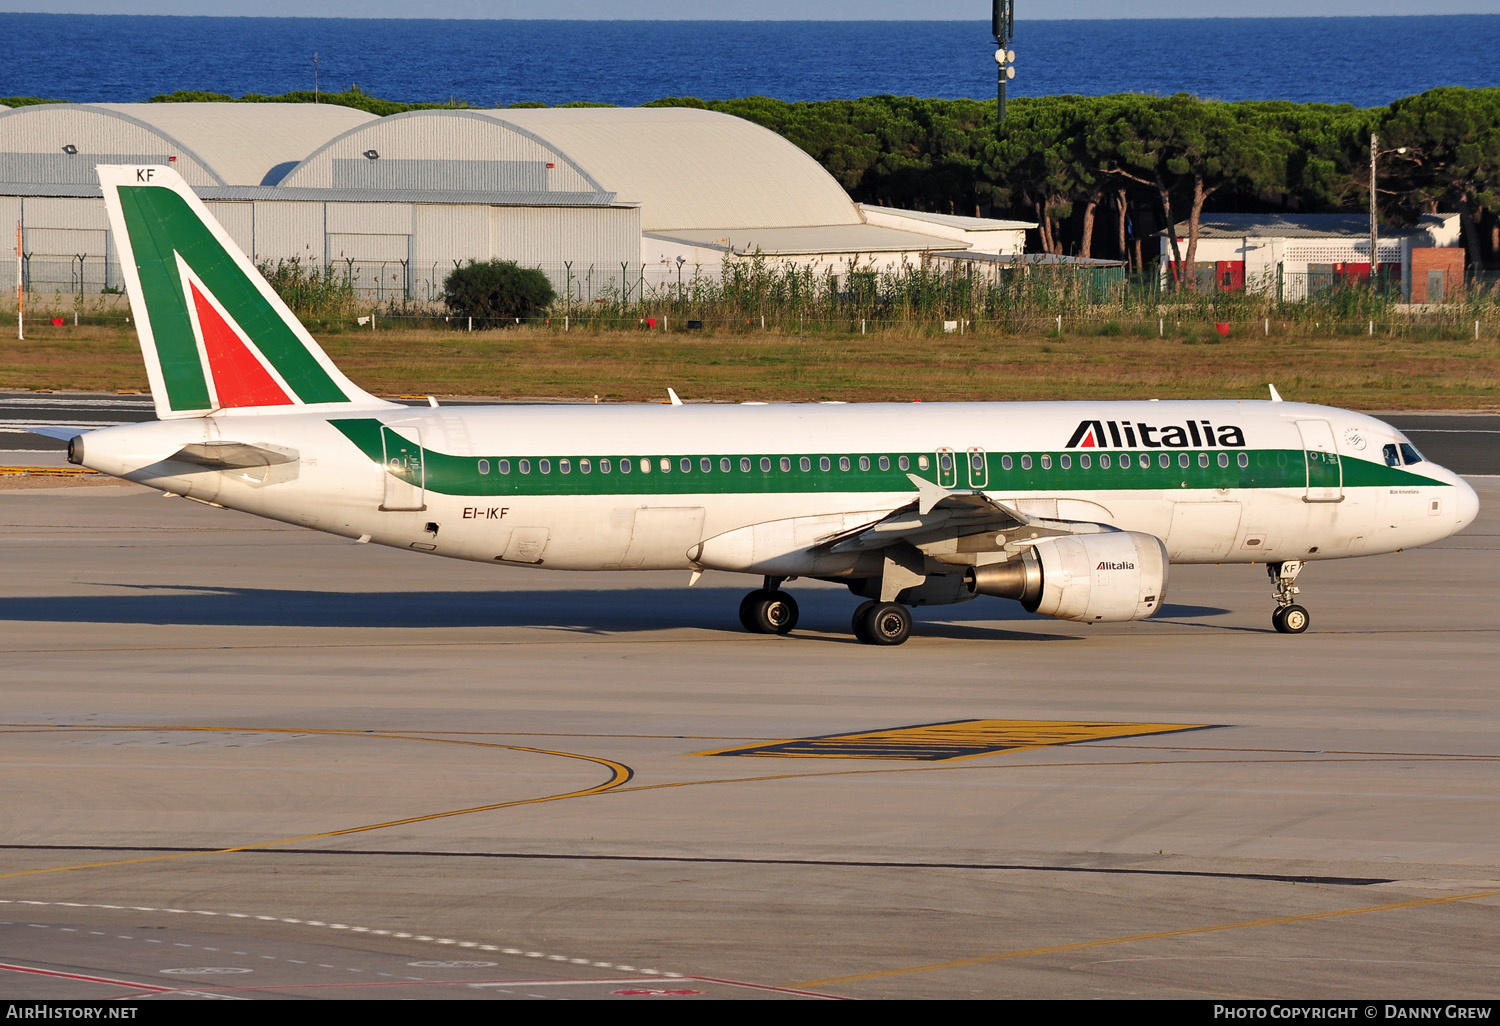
585 611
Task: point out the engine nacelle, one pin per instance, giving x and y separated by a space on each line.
1121 575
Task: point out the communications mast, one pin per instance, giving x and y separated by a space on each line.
1003 22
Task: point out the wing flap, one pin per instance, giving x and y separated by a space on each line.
934 518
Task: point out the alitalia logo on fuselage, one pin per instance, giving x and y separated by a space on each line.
1137 434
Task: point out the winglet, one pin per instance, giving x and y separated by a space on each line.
1275 395
928 494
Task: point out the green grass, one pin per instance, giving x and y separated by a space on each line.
1427 372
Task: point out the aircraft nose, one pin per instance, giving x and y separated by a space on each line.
1466 504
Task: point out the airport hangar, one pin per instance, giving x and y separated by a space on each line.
603 200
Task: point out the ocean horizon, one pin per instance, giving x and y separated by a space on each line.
130 58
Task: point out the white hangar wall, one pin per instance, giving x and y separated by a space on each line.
398 201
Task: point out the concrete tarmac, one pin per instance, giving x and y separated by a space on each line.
246 760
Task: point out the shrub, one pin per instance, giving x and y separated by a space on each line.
497 288
309 290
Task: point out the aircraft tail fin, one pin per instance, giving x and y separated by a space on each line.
215 336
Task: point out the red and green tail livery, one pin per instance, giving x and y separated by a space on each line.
214 335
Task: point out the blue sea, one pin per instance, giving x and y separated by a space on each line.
1365 61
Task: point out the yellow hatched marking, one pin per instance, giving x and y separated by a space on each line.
45 471
958 739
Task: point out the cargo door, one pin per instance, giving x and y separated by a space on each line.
661 536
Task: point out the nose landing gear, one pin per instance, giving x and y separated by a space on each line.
1288 617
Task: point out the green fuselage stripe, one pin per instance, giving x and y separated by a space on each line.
447 474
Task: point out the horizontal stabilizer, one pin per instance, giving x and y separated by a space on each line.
232 455
61 431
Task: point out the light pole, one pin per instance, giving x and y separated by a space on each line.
1003 26
1375 153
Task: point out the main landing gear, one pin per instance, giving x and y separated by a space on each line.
769 610
882 623
1288 617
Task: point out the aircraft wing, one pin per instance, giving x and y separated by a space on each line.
940 515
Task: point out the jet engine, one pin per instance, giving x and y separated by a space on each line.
1121 575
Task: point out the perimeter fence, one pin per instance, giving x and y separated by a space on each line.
759 295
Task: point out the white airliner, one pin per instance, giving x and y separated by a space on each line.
1076 510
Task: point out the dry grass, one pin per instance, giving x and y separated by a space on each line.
1349 370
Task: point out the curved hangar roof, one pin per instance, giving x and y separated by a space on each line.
58 144
686 168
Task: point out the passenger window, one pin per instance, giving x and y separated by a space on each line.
706 465
564 466
945 462
922 463
805 464
503 466
903 463
1164 461
545 466
1124 461
1244 460
725 465
1025 462
864 463
627 465
604 466
765 464
1409 453
1103 460
1223 459
1203 459
1084 461
744 464
484 466
584 466
824 465
1006 463
1046 462
666 465
524 466
1065 461
844 463
645 465
687 465
1182 460
786 464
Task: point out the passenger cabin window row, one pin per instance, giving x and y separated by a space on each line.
804 464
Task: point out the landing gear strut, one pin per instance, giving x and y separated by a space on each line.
1288 617
769 610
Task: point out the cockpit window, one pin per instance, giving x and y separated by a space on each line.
1392 457
1409 453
